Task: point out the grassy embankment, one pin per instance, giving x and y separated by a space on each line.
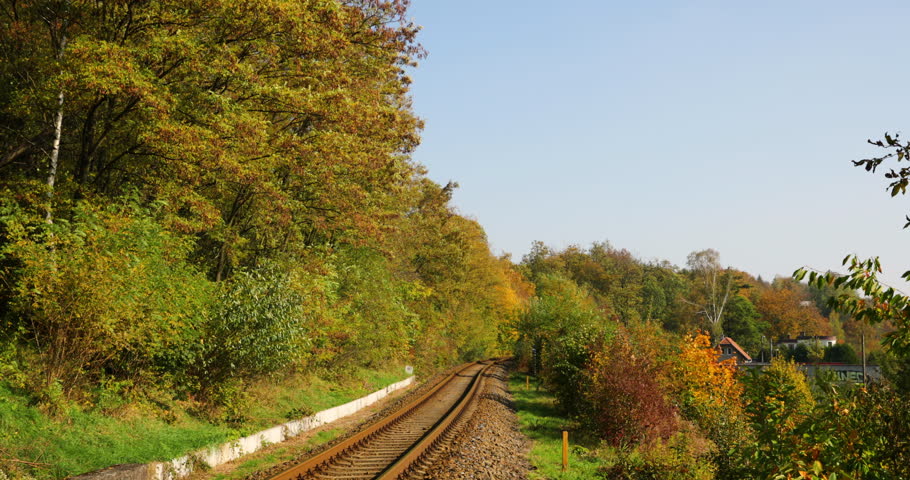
81 439
542 422
274 457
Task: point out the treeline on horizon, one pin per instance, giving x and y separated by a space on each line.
706 296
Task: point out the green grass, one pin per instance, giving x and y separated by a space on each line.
81 441
252 466
324 436
288 401
542 422
84 439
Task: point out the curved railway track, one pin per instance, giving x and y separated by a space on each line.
399 445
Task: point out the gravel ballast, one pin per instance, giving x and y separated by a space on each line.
488 444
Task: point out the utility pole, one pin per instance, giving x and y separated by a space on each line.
864 357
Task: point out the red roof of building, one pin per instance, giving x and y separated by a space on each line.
732 343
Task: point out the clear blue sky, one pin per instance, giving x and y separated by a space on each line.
669 127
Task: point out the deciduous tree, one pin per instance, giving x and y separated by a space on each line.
782 309
712 286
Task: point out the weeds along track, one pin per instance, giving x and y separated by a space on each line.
402 444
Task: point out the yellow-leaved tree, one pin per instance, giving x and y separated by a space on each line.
710 395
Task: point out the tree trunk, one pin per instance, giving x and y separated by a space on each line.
59 40
55 154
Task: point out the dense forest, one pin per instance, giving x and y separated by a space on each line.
199 195
196 195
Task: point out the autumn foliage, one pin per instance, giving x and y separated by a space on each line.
788 317
628 400
708 389
233 197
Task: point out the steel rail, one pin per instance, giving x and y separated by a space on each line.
360 439
412 457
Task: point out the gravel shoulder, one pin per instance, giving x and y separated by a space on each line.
489 444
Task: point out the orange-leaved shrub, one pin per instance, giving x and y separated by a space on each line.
710 395
706 388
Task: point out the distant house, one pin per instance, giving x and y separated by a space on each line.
822 340
787 343
730 349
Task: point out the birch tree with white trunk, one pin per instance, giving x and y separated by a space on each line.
713 288
57 27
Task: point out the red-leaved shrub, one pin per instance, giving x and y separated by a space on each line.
628 401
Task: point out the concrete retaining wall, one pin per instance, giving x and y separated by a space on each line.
214 456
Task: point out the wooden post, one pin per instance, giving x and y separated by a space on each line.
527 382
565 450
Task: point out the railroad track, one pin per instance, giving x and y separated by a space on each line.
398 446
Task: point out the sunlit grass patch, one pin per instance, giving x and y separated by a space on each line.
542 422
83 439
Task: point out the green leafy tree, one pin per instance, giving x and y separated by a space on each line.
778 400
843 353
741 322
113 293
258 133
253 329
375 324
263 127
662 288
855 436
463 294
555 333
